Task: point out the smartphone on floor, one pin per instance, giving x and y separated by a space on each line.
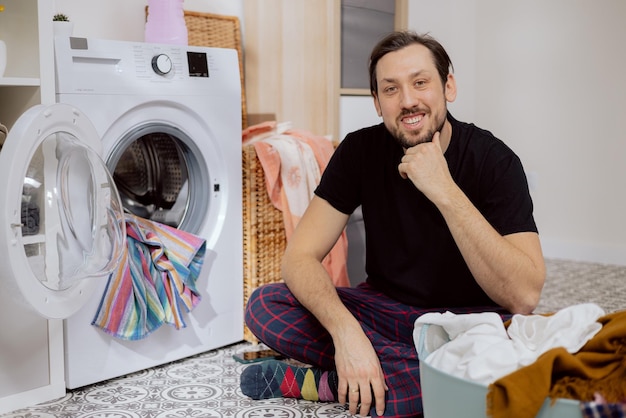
246 357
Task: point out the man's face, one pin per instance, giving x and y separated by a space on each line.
411 98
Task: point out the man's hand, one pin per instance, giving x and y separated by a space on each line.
361 378
425 165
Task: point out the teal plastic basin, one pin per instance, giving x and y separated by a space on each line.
447 396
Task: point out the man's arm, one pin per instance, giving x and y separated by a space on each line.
511 268
357 364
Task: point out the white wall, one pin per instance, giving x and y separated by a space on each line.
356 112
545 77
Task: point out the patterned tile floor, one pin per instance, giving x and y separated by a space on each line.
569 283
207 385
203 386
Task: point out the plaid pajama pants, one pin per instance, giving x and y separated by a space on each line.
275 316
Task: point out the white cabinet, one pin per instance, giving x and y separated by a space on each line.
31 348
26 28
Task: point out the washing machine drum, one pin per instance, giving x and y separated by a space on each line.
151 176
62 224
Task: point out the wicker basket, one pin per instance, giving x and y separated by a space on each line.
264 238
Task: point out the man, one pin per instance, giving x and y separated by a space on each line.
449 226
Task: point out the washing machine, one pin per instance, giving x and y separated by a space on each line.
153 130
169 118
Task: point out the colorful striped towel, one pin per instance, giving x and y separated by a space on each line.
155 280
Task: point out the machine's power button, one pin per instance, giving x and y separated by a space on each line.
161 64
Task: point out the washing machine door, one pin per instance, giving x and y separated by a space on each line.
61 220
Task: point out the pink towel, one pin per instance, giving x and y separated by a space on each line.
292 163
155 281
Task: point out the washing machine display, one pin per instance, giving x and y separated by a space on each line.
169 121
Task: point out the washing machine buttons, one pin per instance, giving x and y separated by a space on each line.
161 64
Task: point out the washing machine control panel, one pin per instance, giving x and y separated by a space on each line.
97 66
161 64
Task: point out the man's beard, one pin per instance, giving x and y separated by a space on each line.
410 141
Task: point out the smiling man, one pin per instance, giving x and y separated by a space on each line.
449 226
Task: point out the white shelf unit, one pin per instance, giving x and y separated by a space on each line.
26 28
31 354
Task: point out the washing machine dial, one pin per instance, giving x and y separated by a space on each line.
161 64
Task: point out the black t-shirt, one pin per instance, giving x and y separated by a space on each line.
410 253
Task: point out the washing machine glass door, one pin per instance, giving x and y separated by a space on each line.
62 222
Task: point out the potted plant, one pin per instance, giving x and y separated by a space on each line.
62 25
60 17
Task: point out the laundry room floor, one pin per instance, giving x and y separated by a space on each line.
207 385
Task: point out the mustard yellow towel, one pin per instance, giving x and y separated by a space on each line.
600 366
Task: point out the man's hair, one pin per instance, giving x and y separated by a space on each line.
401 39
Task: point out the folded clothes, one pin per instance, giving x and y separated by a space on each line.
155 282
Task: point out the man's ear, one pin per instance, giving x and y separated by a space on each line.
450 88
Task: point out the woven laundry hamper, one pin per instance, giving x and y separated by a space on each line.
264 239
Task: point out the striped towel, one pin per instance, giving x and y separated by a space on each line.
155 281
